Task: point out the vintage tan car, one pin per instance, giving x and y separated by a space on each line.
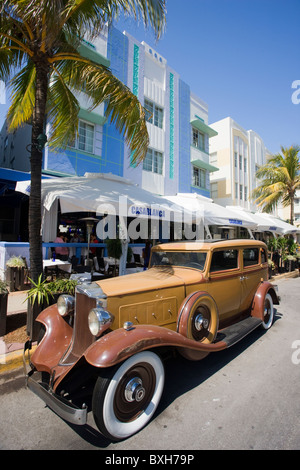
109 342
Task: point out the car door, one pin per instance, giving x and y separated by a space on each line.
251 275
224 281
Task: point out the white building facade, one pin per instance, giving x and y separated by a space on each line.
238 153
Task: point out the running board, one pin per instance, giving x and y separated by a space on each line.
234 333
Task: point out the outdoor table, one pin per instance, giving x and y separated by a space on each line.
58 263
109 261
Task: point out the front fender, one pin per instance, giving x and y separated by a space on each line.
55 342
120 344
257 309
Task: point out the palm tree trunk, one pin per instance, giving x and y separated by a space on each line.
35 209
292 214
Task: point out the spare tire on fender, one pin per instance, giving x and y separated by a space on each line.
198 319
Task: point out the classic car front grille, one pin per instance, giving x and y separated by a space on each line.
82 337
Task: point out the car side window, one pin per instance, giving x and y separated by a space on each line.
263 256
223 260
250 256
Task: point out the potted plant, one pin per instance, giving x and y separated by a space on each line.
15 273
61 286
271 268
3 306
281 245
37 300
42 294
291 263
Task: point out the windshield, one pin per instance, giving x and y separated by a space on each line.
188 259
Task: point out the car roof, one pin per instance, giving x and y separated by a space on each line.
207 245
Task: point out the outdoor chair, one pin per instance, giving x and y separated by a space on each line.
137 259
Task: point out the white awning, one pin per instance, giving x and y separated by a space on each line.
103 194
266 222
263 224
283 226
212 213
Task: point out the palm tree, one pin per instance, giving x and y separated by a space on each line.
280 181
39 41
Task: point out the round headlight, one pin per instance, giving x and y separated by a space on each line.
98 317
65 304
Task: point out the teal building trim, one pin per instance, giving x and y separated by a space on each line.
171 167
136 54
135 84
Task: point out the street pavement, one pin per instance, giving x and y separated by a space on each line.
246 397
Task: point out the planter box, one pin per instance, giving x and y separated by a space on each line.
290 265
3 313
15 278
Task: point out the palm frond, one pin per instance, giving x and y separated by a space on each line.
122 106
279 179
63 108
91 16
23 97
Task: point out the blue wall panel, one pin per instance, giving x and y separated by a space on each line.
113 144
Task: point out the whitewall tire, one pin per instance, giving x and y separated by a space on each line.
125 401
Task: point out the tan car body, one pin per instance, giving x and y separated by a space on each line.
159 304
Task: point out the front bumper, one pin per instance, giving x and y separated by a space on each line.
62 407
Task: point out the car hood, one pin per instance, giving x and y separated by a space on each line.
152 279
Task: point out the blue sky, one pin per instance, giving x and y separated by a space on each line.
239 56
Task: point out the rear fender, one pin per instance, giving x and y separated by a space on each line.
257 309
120 344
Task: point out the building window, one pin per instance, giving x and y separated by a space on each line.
154 114
245 165
236 190
241 192
213 158
235 159
198 139
153 162
199 177
85 139
240 162
246 193
214 190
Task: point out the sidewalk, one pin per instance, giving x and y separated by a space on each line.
11 354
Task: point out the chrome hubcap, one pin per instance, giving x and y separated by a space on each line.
201 322
134 390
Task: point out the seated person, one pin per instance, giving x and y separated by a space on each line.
61 252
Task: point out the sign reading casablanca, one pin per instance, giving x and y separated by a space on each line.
147 211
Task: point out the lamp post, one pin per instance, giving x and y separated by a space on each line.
89 222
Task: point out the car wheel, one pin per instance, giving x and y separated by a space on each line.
198 318
125 400
268 314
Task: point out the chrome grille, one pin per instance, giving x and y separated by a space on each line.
82 337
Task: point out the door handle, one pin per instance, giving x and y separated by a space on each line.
242 278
